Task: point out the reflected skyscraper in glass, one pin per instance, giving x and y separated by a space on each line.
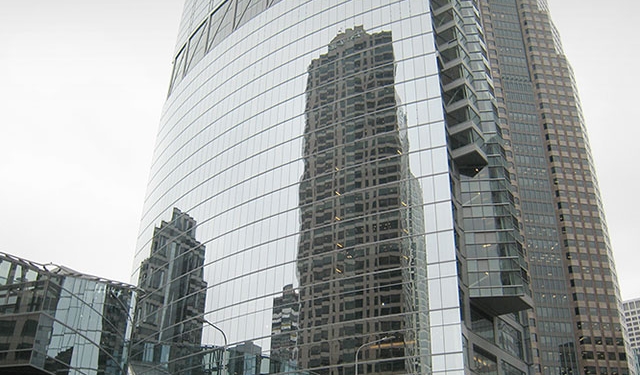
356 173
284 331
168 331
359 266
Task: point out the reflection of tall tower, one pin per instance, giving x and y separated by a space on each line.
168 333
357 260
284 330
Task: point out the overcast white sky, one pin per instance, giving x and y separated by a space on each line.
82 84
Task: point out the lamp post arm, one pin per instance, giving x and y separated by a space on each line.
219 330
386 338
224 336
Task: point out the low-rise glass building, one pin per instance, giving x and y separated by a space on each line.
54 320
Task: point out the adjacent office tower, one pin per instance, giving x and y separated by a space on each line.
632 322
573 278
397 163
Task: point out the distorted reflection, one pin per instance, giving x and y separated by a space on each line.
361 260
169 310
284 331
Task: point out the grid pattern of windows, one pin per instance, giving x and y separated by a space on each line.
632 322
518 114
227 17
573 277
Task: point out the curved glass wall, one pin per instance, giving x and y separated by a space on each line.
298 217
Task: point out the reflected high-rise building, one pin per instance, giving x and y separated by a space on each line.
357 256
284 331
170 305
416 172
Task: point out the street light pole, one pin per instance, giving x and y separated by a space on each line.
224 336
386 338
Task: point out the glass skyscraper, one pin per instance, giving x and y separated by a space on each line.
377 186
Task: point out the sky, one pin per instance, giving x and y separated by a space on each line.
83 82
